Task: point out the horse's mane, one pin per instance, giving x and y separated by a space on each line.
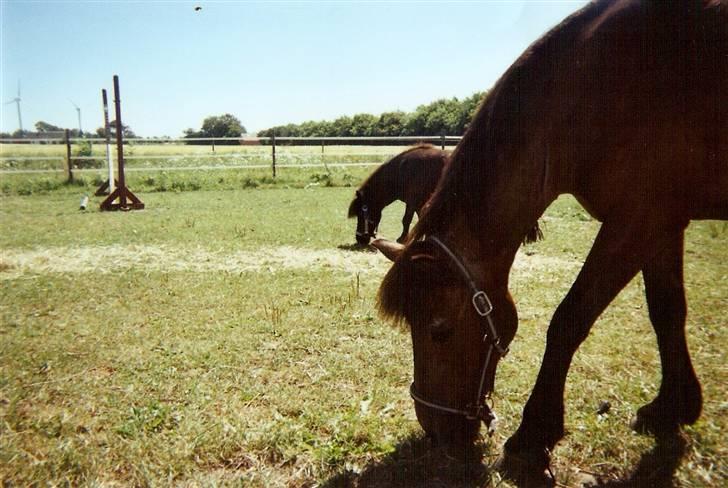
495 131
353 207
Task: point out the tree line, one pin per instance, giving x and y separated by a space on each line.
444 116
47 130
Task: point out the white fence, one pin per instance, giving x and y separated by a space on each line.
19 156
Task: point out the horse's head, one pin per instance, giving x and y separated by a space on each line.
368 217
461 322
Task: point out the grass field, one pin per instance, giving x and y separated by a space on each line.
177 167
231 338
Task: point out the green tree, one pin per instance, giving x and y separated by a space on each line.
442 117
363 125
469 107
313 128
127 133
225 125
342 126
390 124
415 122
42 126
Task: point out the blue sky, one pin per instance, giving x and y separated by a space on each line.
267 63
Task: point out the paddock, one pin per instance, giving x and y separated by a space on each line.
220 337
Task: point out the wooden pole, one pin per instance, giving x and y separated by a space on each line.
273 144
69 163
119 142
107 136
108 186
442 140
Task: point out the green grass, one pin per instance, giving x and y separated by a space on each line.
185 180
193 168
183 366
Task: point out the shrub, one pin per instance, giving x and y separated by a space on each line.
84 150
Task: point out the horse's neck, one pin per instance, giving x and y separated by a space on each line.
497 201
382 186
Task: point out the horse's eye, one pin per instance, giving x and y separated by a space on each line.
440 330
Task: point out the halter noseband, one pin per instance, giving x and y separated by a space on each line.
477 410
368 222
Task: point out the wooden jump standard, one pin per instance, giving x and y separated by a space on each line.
127 200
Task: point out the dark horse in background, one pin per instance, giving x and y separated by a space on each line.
411 177
623 105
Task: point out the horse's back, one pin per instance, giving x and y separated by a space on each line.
652 115
419 171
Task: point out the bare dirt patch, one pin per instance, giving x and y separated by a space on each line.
107 259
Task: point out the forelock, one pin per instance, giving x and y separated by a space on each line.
393 294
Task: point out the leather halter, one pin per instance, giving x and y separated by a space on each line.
477 410
370 229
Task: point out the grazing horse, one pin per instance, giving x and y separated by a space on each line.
411 176
624 106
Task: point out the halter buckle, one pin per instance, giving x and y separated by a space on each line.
483 413
482 304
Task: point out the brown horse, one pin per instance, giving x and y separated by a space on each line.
411 177
623 105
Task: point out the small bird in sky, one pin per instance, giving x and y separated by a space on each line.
198 8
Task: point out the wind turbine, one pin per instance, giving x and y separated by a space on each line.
78 110
16 101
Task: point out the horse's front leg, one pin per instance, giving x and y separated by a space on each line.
617 255
409 212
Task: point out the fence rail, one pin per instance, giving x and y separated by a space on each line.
259 151
241 140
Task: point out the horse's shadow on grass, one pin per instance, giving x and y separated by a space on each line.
656 467
417 463
356 248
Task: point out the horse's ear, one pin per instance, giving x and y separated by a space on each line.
393 250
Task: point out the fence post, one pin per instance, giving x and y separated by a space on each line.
68 157
442 140
273 145
213 144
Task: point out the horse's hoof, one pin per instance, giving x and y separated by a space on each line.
527 469
646 424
